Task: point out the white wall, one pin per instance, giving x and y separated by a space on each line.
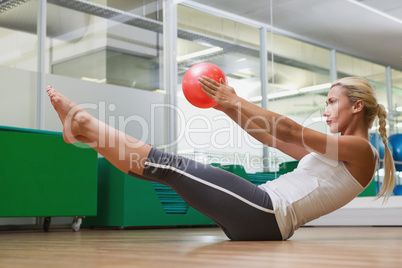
17 97
135 112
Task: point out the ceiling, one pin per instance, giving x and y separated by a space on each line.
357 27
370 29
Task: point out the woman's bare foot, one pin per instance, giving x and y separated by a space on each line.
72 116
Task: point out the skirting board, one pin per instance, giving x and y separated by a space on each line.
364 211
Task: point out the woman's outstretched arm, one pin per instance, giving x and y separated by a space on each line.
262 135
345 148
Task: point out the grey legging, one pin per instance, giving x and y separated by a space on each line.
240 208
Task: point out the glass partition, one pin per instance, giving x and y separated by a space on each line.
18 63
298 76
396 78
118 43
352 66
108 57
208 134
299 80
18 35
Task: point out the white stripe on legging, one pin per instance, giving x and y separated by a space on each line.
211 185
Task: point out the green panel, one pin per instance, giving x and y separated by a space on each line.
111 199
28 130
144 208
370 190
172 203
127 201
259 178
286 167
41 175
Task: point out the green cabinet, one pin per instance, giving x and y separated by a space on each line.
126 201
42 176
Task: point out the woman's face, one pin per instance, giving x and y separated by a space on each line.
338 110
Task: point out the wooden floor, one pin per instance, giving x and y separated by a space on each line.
201 247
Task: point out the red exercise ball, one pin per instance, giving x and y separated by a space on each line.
193 91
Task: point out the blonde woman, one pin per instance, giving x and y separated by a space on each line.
332 169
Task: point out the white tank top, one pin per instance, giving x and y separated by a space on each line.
316 187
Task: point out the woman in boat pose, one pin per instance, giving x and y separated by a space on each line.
333 169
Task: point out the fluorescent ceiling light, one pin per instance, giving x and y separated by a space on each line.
315 88
244 73
375 11
300 90
318 119
176 2
255 99
95 80
160 91
288 93
241 59
283 94
399 109
199 54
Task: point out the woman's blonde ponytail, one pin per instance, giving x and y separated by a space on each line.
388 183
